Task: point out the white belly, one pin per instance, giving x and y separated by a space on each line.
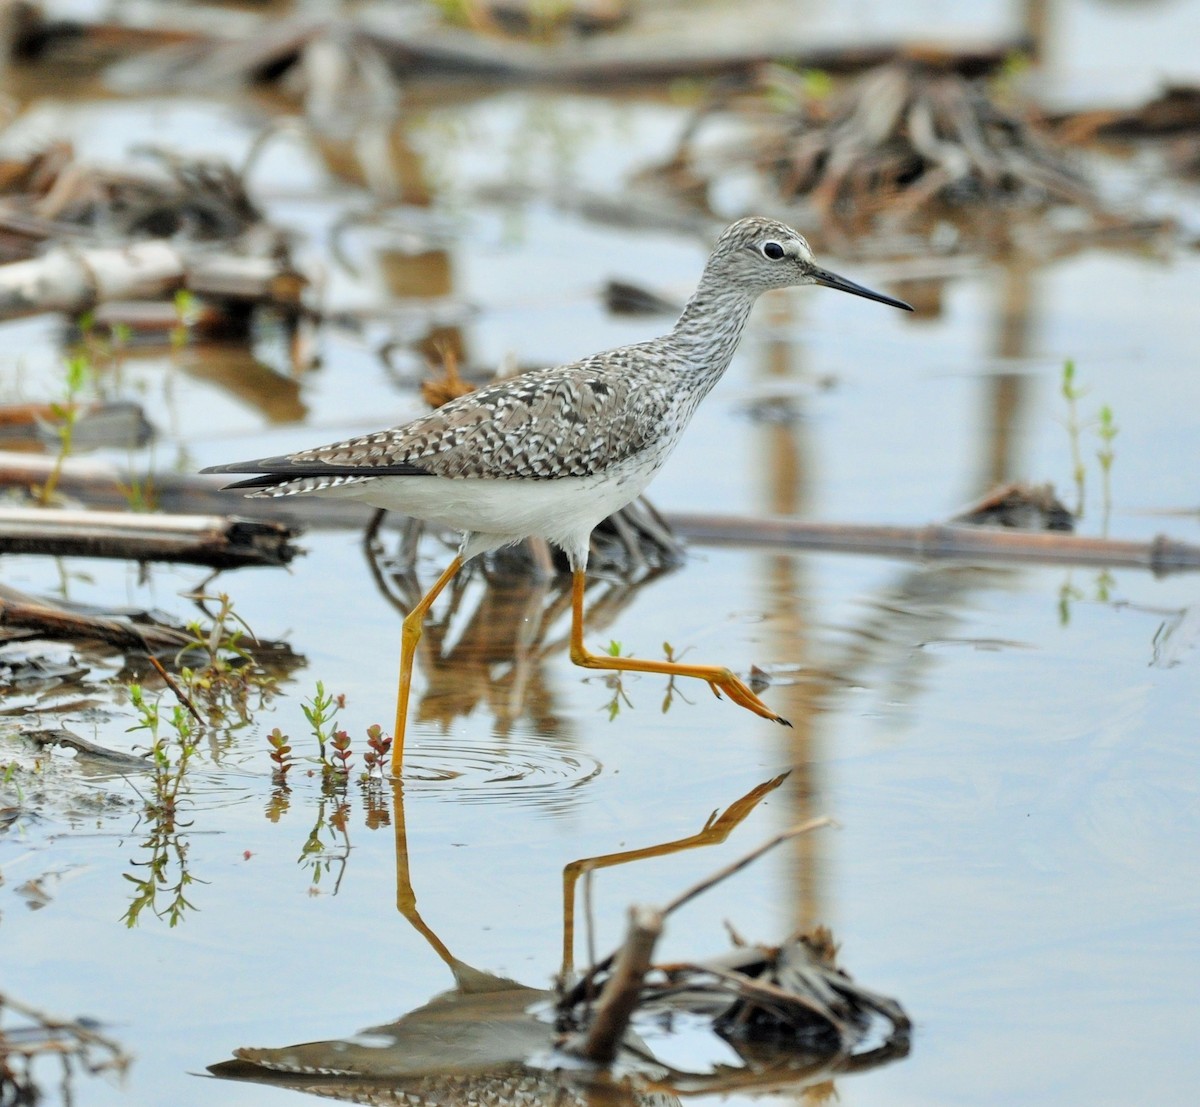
496 513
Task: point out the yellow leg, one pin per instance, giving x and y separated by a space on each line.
409 637
718 677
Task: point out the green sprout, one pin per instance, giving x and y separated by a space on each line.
66 413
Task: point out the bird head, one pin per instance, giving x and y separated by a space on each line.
761 254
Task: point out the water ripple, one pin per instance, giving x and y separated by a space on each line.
521 770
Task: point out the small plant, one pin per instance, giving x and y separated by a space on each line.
8 775
186 313
281 753
141 495
1107 432
669 697
1072 393
66 412
166 868
339 760
226 674
379 747
321 711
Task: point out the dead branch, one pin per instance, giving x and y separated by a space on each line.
87 751
44 620
220 542
906 147
623 989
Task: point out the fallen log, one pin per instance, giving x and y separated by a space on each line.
220 542
100 486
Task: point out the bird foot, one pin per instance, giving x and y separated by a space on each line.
744 696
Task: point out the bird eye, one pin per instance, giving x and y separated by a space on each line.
772 250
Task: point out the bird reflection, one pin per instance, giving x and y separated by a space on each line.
480 1042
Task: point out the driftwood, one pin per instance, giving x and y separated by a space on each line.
1176 110
101 486
71 278
910 135
41 619
904 149
220 542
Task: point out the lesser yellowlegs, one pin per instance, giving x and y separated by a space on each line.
554 451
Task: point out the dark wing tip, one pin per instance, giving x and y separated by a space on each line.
277 470
258 465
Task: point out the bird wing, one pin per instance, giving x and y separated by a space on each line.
574 420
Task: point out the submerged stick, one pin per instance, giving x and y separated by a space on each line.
941 542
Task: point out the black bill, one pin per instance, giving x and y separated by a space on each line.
832 280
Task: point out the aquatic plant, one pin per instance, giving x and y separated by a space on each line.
166 867
321 711
227 673
66 411
379 747
1106 431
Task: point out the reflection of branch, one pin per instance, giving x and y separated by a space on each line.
737 866
64 1038
715 830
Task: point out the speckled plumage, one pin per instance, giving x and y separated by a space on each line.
589 435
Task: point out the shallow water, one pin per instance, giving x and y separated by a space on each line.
1009 752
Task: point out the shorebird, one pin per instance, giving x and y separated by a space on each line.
552 452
